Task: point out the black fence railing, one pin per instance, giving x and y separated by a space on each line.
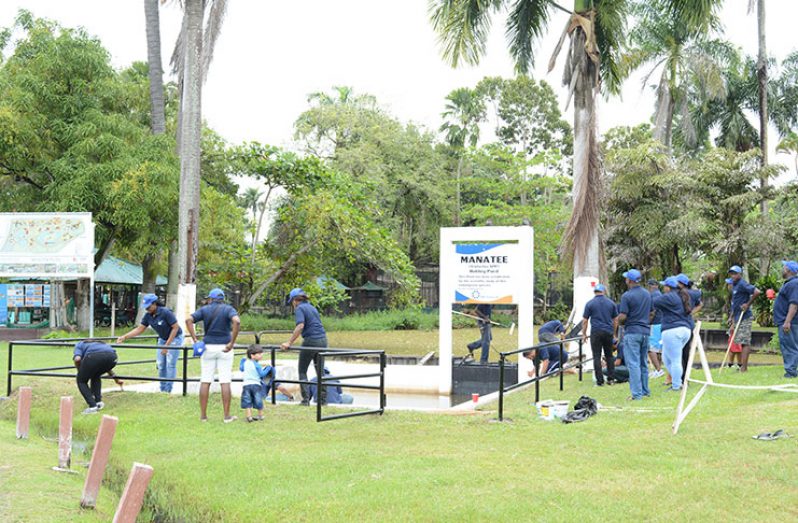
536 362
187 355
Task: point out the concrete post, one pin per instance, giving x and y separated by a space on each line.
23 412
133 495
99 460
65 433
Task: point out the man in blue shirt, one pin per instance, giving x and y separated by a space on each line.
634 315
784 316
601 312
93 358
551 331
222 325
308 325
483 312
655 338
163 321
743 295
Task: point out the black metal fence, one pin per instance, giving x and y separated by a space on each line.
187 354
536 361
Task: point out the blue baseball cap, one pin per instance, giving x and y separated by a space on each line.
736 269
295 293
633 274
683 279
672 282
216 294
729 280
148 299
791 265
599 288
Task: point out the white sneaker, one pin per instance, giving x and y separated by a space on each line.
91 410
656 374
100 405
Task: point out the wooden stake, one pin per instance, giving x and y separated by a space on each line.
65 433
731 341
133 495
99 460
23 412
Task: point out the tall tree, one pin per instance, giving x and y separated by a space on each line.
762 78
596 29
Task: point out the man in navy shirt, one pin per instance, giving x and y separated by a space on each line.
221 324
743 295
93 358
634 315
601 312
549 358
163 321
551 331
784 316
308 325
482 311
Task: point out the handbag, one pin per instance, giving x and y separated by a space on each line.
199 347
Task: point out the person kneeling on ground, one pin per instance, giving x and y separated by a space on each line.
255 388
549 360
551 331
93 358
335 393
620 370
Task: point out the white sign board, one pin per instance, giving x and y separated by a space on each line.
46 245
485 265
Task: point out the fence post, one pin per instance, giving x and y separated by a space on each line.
537 376
133 496
319 383
185 370
562 367
382 381
65 433
10 368
99 460
274 383
580 359
23 412
501 387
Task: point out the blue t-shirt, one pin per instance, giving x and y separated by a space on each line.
161 322
695 301
741 294
601 311
307 314
218 320
657 313
672 309
553 327
787 296
636 304
485 309
333 388
550 353
84 348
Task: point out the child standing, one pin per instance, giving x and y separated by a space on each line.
252 395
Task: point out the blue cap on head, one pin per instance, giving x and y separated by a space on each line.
599 288
295 293
736 269
148 299
216 294
683 279
729 281
791 265
633 275
672 282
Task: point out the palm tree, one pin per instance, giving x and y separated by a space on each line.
595 28
789 145
683 54
153 28
464 111
762 77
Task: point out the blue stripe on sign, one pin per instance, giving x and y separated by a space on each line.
476 248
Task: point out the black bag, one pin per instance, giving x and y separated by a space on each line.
584 408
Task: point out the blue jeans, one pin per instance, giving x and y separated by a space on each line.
788 342
635 355
484 341
167 365
673 340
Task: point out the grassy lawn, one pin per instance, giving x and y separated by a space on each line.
422 466
31 491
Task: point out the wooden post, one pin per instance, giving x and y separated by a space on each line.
133 495
99 460
23 412
65 433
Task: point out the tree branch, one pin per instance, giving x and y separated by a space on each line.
279 273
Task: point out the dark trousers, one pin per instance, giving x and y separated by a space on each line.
686 354
306 357
92 367
602 342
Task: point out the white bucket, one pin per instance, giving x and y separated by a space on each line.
545 410
559 409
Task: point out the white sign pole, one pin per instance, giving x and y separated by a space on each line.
484 265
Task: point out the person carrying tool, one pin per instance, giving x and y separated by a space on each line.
482 312
743 295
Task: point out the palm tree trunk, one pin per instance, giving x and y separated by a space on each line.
762 76
663 119
190 136
157 118
171 286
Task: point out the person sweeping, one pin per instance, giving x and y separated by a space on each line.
743 295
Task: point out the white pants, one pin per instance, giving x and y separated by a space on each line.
213 360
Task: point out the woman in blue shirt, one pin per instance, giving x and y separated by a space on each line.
308 325
675 306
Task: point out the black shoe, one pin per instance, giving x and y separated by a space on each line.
599 384
305 403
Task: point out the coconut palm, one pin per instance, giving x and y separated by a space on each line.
680 51
465 109
153 29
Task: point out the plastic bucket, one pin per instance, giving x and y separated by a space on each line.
545 409
559 409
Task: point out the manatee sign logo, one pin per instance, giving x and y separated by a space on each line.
485 272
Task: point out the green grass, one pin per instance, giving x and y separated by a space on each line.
418 466
31 491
